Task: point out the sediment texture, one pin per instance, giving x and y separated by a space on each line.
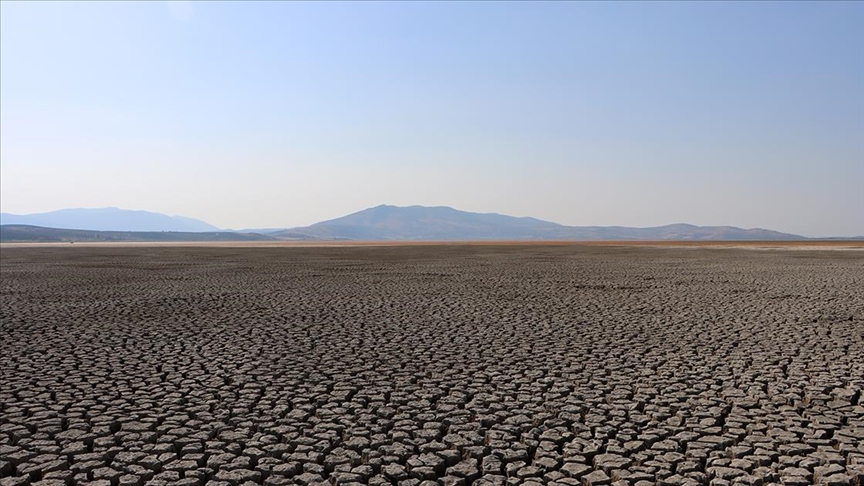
449 365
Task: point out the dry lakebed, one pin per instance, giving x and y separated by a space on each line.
422 365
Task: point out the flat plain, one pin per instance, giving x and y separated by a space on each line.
447 364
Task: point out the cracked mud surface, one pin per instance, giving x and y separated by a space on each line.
449 365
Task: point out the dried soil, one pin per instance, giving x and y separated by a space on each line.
447 364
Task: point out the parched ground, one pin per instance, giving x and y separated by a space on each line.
422 365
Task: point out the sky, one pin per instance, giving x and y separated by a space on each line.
279 114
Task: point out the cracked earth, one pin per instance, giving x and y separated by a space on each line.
439 365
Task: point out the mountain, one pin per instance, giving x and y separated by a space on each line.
108 219
421 223
445 223
19 232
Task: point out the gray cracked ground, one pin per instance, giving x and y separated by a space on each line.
448 365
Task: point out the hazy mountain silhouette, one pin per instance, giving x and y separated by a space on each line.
108 219
420 223
445 223
379 223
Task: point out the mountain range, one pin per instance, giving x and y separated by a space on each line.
417 223
108 219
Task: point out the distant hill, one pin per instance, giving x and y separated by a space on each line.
445 223
23 233
108 219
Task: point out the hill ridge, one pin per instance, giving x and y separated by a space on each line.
382 222
27 233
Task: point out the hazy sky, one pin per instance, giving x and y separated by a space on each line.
284 113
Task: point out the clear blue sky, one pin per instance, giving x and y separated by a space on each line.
285 113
